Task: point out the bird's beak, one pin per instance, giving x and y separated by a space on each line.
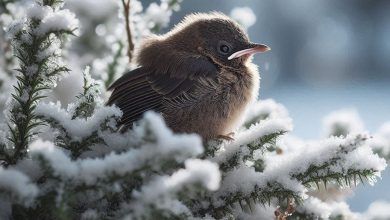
254 48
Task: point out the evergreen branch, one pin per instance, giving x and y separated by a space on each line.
87 100
259 143
324 173
65 140
259 195
34 76
52 3
349 178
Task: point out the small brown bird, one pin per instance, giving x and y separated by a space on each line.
199 76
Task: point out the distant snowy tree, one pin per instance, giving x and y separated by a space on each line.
72 161
244 15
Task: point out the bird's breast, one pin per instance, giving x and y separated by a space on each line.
215 107
239 95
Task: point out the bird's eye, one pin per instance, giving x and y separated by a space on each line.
224 48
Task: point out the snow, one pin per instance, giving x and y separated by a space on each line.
315 206
378 210
317 153
161 190
244 15
233 183
197 170
90 170
281 168
62 20
267 108
53 50
18 184
363 158
151 142
258 212
384 135
381 140
59 161
328 210
351 153
38 12
332 192
14 28
342 122
30 168
256 131
78 128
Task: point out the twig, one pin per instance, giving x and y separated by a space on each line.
279 215
126 8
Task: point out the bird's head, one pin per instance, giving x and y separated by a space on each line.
214 36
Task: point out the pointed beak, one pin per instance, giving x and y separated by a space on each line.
254 48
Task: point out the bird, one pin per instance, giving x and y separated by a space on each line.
199 76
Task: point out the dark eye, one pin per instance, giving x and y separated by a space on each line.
224 48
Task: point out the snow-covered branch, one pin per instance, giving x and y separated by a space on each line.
36 43
17 185
148 156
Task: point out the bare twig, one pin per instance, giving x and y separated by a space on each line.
126 8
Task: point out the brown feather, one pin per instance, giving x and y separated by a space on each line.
141 90
184 75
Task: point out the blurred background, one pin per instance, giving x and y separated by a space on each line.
326 55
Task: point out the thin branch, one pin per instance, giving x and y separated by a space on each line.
126 8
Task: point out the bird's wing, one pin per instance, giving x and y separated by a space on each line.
133 94
141 89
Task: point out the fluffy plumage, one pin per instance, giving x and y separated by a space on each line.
198 75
